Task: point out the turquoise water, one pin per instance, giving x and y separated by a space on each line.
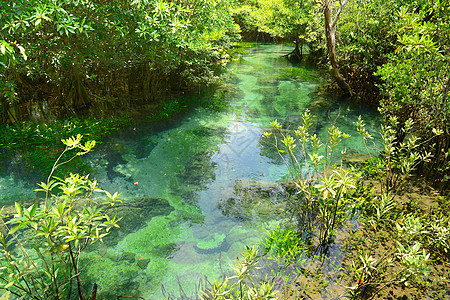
188 208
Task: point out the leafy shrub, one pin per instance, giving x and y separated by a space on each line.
41 252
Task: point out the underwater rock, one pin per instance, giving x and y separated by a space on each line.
355 159
126 256
143 148
114 159
290 186
164 250
198 172
321 105
250 200
113 278
198 169
135 213
269 93
212 243
267 81
143 263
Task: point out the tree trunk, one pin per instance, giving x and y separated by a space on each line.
330 34
295 55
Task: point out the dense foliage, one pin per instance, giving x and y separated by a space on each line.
281 20
393 54
95 55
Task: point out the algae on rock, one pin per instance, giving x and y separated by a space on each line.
212 243
253 200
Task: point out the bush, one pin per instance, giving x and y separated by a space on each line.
41 252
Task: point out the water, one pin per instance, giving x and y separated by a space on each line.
188 204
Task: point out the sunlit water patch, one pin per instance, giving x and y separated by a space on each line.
188 190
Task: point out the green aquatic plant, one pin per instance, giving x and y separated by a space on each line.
36 144
41 245
439 234
411 228
383 205
283 243
168 109
402 265
432 231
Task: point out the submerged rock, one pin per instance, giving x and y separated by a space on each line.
355 159
213 243
320 105
125 256
198 172
135 213
250 200
143 263
113 278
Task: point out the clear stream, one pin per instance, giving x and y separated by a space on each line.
187 210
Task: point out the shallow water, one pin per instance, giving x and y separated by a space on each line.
186 212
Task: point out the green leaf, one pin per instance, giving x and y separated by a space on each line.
22 51
10 284
19 209
32 210
14 229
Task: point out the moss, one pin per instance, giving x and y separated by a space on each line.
297 73
241 47
143 263
135 212
161 230
113 278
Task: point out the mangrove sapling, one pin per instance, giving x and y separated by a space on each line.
431 231
410 229
321 194
47 265
399 159
383 205
415 261
338 189
413 267
439 234
364 271
403 265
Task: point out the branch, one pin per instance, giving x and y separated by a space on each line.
338 13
